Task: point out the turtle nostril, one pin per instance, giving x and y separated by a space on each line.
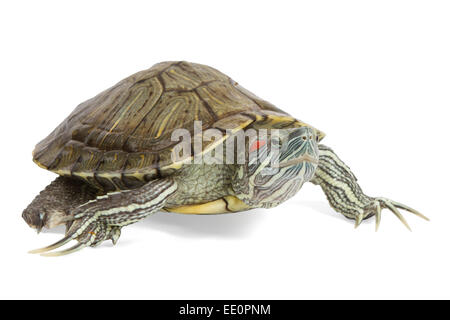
34 218
304 138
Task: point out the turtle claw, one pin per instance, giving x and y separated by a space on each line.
383 203
83 242
358 220
88 232
85 232
377 216
397 213
56 245
411 210
75 248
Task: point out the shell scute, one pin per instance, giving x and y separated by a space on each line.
222 99
123 136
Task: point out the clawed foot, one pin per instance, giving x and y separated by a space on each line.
375 207
102 218
90 230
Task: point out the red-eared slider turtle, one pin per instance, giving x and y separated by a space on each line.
126 154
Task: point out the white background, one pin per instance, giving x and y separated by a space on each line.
374 75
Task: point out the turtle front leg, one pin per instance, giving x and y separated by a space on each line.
55 202
103 218
345 195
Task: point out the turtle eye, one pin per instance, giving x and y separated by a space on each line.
257 145
317 138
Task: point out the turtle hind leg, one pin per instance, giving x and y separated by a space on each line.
346 196
50 208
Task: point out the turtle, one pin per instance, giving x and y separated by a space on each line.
120 157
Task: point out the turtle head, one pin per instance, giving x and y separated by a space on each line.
277 167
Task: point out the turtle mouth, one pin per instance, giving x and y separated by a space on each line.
293 162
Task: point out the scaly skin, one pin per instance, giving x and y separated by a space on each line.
102 219
199 183
346 196
56 201
196 184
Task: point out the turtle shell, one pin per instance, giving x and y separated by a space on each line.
121 138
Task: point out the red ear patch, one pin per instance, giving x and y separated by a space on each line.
257 144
